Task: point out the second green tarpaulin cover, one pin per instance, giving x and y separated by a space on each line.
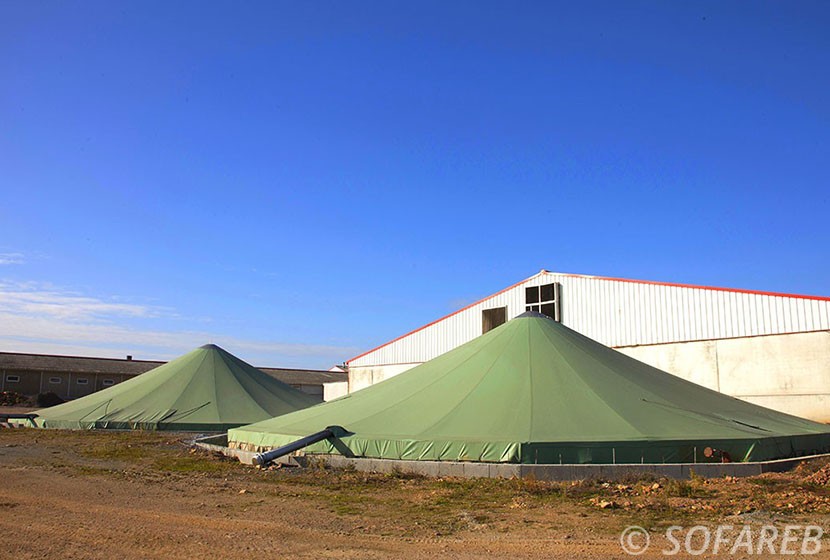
207 389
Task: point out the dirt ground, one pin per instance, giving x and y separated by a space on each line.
150 495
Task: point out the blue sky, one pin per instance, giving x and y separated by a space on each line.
302 181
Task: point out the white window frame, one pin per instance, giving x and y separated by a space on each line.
537 305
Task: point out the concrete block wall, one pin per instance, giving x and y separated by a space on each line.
787 372
362 377
334 390
552 472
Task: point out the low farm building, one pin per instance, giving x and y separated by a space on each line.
770 349
71 377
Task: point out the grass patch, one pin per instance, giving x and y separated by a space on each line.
398 474
685 489
349 504
768 482
127 453
192 464
657 518
120 446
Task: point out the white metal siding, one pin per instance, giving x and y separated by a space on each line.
622 313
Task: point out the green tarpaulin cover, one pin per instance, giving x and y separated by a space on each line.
207 389
535 391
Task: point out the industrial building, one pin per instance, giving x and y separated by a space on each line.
71 377
767 348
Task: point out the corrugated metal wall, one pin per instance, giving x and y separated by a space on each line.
622 313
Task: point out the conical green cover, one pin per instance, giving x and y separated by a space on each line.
207 389
535 391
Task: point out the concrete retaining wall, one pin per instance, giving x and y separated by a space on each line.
555 472
218 444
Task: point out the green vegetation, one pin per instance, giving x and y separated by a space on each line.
196 463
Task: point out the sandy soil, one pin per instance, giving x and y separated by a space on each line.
139 495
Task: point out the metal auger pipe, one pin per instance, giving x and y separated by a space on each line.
268 456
